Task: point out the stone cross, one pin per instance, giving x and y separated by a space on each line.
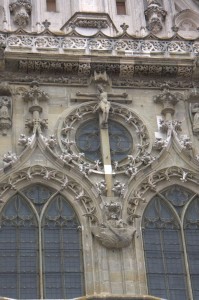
103 107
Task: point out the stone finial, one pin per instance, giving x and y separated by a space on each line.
155 15
21 10
46 24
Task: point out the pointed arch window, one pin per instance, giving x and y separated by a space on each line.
40 247
171 243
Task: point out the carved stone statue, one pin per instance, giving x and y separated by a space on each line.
24 140
5 117
104 105
9 158
22 10
195 112
155 15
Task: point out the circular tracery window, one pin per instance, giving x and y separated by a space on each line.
88 140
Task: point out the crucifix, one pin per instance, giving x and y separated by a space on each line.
103 107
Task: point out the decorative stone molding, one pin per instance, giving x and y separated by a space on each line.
128 70
89 20
155 15
44 173
151 182
21 10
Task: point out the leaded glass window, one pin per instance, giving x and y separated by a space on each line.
88 140
191 226
170 241
40 247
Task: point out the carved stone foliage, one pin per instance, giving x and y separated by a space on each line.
21 10
160 143
9 158
155 15
137 197
24 140
185 142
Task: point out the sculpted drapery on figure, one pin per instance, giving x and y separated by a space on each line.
104 105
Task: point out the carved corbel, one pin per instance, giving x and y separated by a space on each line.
168 99
155 16
21 10
113 233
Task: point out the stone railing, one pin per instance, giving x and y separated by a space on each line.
112 46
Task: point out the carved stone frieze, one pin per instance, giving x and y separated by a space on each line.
89 20
21 10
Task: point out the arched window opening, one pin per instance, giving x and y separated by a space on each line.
18 251
191 227
163 252
62 252
40 249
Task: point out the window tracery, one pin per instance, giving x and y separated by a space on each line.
41 252
170 237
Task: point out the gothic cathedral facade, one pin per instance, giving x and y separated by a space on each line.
99 149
